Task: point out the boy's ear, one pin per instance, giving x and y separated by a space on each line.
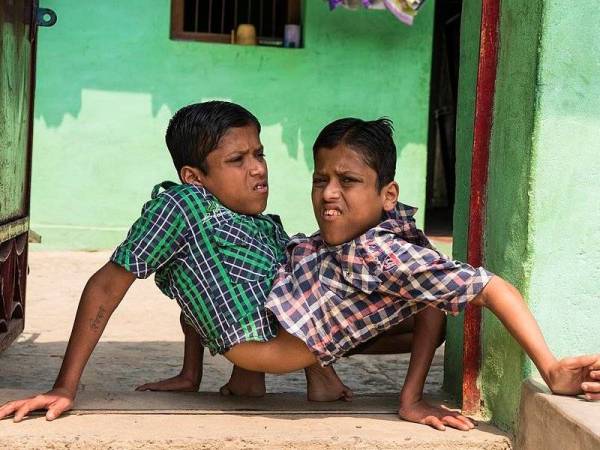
389 194
191 175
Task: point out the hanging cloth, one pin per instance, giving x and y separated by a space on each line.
403 10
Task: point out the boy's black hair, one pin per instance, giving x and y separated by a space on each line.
371 139
195 130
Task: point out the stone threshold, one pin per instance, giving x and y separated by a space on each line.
150 420
554 422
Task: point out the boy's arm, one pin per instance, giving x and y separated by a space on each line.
101 295
428 334
568 376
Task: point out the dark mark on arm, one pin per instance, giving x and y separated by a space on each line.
97 322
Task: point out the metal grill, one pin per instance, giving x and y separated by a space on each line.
222 16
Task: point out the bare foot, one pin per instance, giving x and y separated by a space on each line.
435 416
324 385
177 383
244 383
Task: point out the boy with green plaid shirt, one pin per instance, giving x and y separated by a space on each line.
211 249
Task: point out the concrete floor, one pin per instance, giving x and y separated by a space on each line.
143 343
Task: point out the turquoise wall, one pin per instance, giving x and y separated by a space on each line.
565 211
543 210
109 79
543 207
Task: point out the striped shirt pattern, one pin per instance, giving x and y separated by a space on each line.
217 264
336 297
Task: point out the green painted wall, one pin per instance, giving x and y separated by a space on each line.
109 79
469 58
507 228
543 207
566 168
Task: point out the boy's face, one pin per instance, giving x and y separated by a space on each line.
237 171
345 198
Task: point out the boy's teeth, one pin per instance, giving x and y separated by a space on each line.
332 212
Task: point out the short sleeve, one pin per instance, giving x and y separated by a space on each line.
156 237
423 275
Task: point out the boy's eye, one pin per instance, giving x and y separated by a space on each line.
318 181
348 180
261 155
235 159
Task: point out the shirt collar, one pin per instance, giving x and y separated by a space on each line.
399 220
401 212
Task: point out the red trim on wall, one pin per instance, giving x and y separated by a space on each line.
484 103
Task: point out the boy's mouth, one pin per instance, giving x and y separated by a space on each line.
261 187
331 213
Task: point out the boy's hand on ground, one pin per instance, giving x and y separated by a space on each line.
177 383
437 417
56 401
572 376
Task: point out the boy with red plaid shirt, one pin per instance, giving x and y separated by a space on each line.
369 269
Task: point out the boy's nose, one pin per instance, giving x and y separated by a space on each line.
258 169
331 192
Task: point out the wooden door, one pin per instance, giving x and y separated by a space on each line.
18 29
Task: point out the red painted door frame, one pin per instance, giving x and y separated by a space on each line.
484 103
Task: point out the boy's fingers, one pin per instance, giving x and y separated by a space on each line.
58 407
590 387
581 361
466 421
455 422
32 404
21 412
592 397
595 374
434 422
9 408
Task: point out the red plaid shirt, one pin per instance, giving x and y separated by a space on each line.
336 297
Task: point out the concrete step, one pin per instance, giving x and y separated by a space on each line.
555 422
149 420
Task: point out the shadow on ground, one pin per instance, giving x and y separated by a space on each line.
120 366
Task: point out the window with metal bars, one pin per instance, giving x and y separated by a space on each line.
217 20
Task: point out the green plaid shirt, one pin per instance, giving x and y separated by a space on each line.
219 265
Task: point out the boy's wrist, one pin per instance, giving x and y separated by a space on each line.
545 366
410 396
67 391
545 369
195 376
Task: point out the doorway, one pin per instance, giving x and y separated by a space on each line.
441 158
